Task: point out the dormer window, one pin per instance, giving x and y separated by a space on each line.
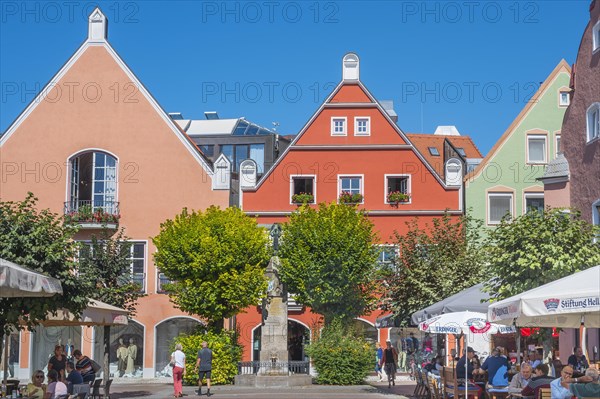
434 151
461 151
563 99
338 126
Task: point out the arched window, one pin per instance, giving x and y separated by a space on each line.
92 185
166 332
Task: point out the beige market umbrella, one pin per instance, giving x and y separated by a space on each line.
96 314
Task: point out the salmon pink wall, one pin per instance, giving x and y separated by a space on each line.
351 93
157 174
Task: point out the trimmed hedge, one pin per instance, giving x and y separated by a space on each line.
226 354
341 357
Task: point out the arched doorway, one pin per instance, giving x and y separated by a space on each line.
166 332
131 338
298 338
366 330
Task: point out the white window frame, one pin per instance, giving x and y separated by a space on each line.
593 126
531 195
562 103
489 208
596 37
362 185
314 177
557 145
537 137
339 118
408 186
145 273
360 118
396 253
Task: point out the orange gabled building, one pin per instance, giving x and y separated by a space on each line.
352 144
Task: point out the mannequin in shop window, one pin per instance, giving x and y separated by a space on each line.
122 355
131 355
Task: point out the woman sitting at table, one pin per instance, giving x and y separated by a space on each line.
55 388
36 389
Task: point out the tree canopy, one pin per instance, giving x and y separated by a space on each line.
107 263
216 261
39 241
435 262
537 248
328 260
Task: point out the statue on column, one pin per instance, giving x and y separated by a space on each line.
122 355
131 355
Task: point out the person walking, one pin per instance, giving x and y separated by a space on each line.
389 360
378 356
178 363
204 367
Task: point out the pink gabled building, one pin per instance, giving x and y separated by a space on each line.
95 138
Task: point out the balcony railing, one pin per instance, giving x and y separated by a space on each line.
291 367
92 213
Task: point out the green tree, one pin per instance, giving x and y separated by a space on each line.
328 260
216 260
436 261
40 241
107 262
340 356
537 248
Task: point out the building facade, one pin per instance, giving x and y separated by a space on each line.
573 180
352 145
124 158
506 181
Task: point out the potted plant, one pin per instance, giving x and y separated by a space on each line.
303 198
395 197
349 198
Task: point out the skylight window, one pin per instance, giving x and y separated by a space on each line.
461 151
434 151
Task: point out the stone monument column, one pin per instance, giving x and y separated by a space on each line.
274 337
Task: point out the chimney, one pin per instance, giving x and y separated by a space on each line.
388 106
351 67
97 26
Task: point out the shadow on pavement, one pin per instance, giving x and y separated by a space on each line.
130 394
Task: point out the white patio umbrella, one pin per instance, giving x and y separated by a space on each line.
569 302
19 281
466 323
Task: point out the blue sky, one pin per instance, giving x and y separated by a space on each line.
473 64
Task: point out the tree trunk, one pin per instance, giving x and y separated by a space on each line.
547 344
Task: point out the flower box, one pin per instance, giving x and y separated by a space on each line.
348 198
396 197
303 198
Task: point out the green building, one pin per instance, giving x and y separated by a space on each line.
506 179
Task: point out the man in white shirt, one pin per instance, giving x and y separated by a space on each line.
557 390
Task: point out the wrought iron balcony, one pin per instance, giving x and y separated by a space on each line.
92 214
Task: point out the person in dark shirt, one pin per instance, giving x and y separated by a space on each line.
57 362
460 366
577 360
540 380
73 378
497 368
204 367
